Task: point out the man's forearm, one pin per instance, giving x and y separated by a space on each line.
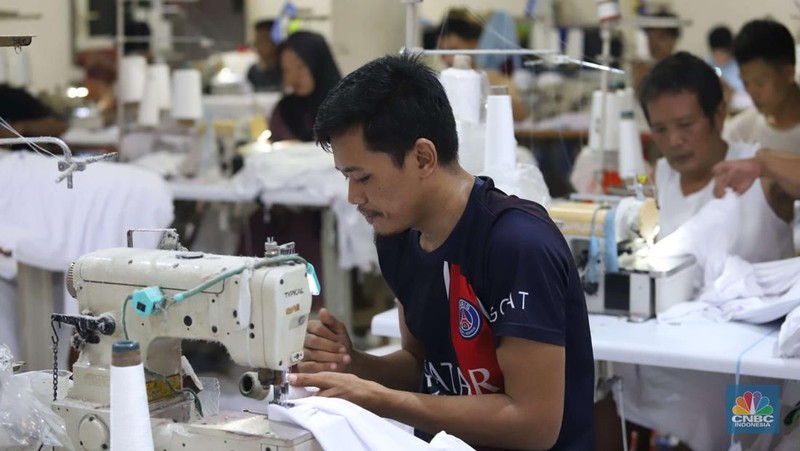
399 370
499 421
783 168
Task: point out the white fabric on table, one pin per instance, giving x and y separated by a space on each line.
338 424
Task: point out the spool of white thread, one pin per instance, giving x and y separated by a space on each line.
631 160
463 88
130 414
160 73
132 77
575 43
148 108
610 121
501 146
187 95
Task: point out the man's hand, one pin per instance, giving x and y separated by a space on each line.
736 174
366 394
327 346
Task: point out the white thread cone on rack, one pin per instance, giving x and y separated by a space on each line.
132 77
501 146
187 95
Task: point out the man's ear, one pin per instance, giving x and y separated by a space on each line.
424 157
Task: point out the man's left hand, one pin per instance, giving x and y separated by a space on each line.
364 393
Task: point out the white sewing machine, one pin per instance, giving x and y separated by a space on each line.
609 238
259 314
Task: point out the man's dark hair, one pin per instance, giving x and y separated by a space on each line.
683 72
264 25
396 100
765 39
459 23
664 14
720 38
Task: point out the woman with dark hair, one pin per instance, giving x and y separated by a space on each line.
309 72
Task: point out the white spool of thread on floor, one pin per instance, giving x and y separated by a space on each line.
130 414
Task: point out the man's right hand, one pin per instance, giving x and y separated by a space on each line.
327 346
736 174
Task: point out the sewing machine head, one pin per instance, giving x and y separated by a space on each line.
256 308
609 238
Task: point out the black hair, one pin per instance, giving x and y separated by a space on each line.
683 72
765 39
264 25
720 38
134 29
396 100
459 23
674 31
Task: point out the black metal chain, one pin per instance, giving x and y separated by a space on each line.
55 339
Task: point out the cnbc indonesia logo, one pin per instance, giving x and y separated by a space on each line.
752 411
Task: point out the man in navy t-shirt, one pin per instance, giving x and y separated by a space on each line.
495 336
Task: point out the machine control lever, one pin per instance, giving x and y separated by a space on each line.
88 326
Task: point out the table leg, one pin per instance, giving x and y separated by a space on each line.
336 283
37 294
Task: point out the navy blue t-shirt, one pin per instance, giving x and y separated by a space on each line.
505 270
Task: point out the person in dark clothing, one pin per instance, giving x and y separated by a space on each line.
309 72
265 75
27 115
495 343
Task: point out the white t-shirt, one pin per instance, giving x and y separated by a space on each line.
763 236
750 126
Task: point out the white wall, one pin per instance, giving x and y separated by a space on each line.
51 59
356 30
50 53
705 14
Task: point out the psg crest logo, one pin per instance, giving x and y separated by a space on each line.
469 319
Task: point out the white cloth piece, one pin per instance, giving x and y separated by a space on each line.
748 228
754 293
338 424
789 335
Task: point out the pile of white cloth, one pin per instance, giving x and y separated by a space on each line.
733 289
